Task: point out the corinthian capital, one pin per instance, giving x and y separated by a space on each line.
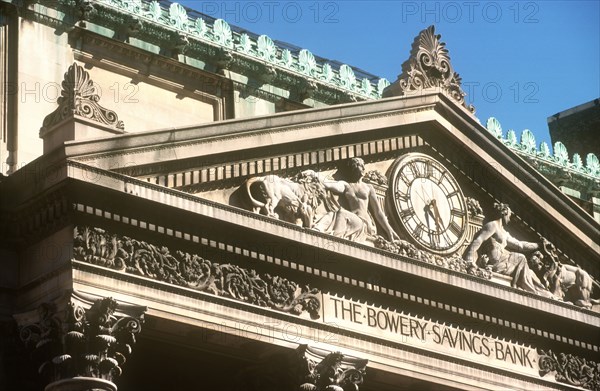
80 342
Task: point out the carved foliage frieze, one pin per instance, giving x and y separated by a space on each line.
569 369
80 96
96 246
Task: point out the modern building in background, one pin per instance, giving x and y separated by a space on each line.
206 208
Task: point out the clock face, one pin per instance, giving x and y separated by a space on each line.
428 203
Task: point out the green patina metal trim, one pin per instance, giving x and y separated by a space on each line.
173 28
558 159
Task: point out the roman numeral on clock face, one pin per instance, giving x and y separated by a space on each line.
407 213
401 196
458 212
455 228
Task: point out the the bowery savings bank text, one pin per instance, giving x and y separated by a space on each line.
429 335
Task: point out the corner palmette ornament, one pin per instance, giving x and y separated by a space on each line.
428 66
83 343
80 96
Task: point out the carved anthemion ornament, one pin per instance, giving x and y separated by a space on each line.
80 96
428 66
330 371
82 345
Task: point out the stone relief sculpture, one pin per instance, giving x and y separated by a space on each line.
569 369
359 209
347 207
505 254
567 282
292 200
355 215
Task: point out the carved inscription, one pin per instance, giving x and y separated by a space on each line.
426 334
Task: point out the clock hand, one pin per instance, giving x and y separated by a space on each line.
425 191
419 195
427 210
437 218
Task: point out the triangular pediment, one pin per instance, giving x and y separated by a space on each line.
213 162
214 157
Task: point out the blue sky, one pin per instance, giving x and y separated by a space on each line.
523 60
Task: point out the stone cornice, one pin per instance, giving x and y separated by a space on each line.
175 34
575 171
298 121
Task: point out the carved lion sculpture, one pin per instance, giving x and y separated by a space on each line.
567 282
571 283
292 200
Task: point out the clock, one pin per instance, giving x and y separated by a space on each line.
427 203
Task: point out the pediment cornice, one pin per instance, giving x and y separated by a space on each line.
295 132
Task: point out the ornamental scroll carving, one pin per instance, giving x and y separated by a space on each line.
569 369
80 96
330 371
98 247
428 66
88 338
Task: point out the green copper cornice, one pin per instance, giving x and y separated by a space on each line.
555 164
168 29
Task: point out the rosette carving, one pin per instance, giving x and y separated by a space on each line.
125 254
428 66
88 338
330 371
569 369
80 96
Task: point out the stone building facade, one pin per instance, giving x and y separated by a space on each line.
202 208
